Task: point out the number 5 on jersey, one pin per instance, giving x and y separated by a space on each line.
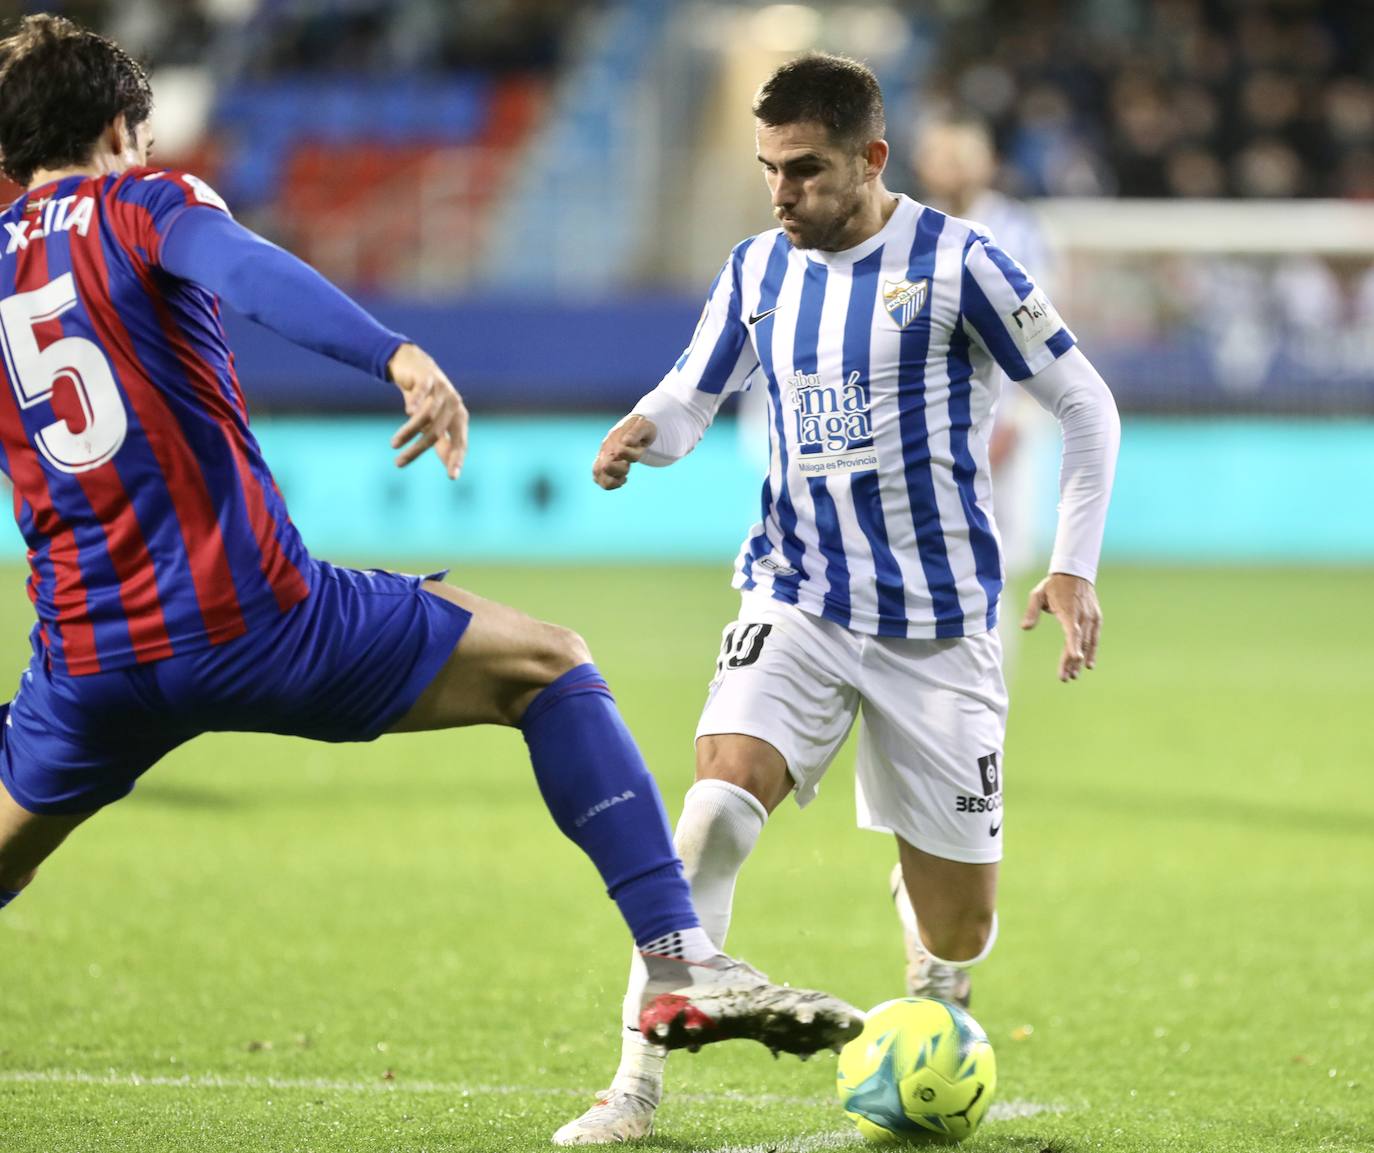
35 374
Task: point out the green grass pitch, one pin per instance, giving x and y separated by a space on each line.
279 946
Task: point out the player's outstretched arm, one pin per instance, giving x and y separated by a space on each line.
1073 391
281 292
668 422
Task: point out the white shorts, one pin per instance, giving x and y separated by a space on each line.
932 719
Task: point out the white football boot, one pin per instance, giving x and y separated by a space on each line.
688 1004
925 976
617 1116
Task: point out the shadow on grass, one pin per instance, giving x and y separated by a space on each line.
1039 1144
175 795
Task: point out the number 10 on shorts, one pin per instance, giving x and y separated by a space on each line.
741 645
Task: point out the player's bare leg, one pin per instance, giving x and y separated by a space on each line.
740 780
746 762
503 661
26 841
949 920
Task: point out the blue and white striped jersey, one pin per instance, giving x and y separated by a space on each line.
879 365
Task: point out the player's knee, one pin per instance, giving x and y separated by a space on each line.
554 652
551 651
567 650
747 763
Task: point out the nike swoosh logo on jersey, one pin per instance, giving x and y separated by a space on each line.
757 316
994 828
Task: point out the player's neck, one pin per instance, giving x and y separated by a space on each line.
870 220
94 168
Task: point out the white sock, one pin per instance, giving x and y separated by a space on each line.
682 945
719 826
718 829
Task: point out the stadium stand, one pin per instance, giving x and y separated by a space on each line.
1187 98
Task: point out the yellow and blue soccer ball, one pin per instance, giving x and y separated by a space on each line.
921 1072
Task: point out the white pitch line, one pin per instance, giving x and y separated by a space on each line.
380 1085
1000 1110
845 1139
850 1138
1015 1110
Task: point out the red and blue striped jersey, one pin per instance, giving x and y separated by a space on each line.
153 524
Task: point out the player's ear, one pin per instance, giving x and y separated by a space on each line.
875 158
122 138
115 137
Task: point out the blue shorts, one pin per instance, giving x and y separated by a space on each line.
345 664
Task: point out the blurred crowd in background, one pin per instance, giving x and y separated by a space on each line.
556 152
264 38
1132 98
1200 98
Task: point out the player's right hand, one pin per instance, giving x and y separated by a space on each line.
624 445
1073 600
438 418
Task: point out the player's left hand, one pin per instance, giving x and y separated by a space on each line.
438 419
1074 601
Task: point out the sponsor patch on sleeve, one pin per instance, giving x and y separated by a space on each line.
1034 321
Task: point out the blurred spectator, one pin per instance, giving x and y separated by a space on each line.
265 38
404 35
1268 168
1173 97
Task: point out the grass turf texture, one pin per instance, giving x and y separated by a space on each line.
274 945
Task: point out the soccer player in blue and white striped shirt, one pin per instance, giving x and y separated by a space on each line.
870 585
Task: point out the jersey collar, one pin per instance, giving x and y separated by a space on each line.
901 218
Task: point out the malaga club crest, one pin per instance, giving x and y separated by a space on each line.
904 300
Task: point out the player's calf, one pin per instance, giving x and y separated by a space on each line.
26 841
927 973
965 938
954 903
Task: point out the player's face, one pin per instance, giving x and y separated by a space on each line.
817 187
953 163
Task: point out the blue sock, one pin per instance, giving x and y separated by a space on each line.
6 896
602 797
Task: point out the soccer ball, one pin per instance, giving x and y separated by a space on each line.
922 1071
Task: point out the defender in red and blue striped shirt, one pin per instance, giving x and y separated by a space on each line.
174 595
153 523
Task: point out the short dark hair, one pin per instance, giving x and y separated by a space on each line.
840 93
60 85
